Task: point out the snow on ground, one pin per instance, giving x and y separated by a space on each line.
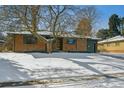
102 83
41 65
81 83
118 55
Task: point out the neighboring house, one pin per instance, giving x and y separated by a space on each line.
115 45
25 42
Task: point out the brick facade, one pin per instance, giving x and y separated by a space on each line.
19 46
80 45
60 44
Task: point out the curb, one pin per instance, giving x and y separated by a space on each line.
59 80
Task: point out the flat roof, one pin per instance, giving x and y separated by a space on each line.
68 35
28 33
113 39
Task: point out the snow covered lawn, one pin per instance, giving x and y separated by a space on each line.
25 66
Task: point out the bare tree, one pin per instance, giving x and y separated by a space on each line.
89 13
28 16
57 18
84 27
54 18
33 18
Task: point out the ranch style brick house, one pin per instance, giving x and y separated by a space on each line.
25 42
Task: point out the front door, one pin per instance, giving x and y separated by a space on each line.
91 46
59 46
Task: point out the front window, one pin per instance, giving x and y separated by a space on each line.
29 39
71 41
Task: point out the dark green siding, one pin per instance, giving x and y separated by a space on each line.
91 45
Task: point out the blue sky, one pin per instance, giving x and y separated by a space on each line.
106 11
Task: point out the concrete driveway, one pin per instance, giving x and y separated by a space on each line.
28 66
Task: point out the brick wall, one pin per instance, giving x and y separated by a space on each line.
80 45
19 45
